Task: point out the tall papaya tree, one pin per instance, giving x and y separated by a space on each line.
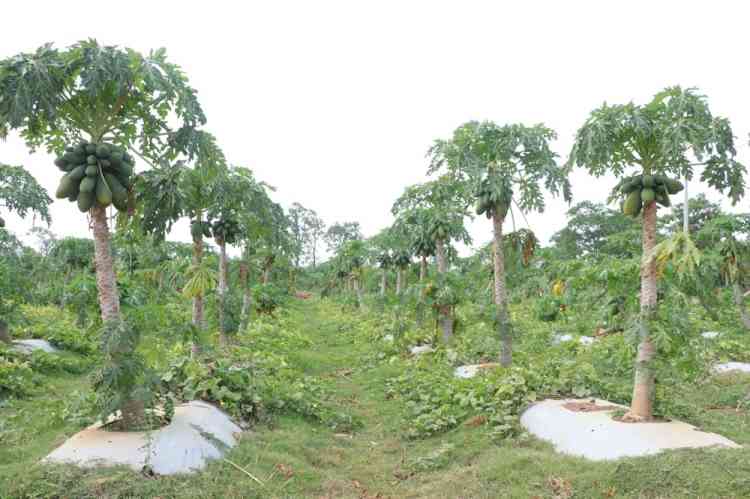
171 191
439 207
89 104
254 219
726 237
505 165
93 106
241 198
648 147
20 193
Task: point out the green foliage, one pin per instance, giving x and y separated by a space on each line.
123 376
52 96
21 193
666 136
500 162
16 377
57 327
267 298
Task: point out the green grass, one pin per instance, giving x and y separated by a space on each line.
294 457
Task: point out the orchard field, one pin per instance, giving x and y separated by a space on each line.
336 353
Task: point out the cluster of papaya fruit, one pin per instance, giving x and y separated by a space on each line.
2 222
640 190
493 196
226 229
200 229
98 174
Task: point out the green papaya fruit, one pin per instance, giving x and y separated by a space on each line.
206 229
2 222
114 184
673 186
81 149
85 201
61 163
92 170
105 163
65 187
120 201
88 184
647 195
70 149
660 180
77 173
480 208
116 160
648 181
102 151
103 193
632 205
91 149
91 160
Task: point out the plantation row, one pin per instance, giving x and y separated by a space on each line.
152 323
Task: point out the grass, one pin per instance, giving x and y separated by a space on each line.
294 457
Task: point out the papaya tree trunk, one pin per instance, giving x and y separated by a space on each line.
4 334
132 410
106 283
246 298
358 290
739 300
445 311
642 405
383 282
398 280
423 269
222 288
266 274
198 320
502 318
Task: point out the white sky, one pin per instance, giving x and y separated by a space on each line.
336 102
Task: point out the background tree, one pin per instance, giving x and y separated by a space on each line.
19 193
701 211
341 232
439 208
315 228
593 229
727 237
505 165
662 140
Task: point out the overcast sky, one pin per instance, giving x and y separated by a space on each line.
336 103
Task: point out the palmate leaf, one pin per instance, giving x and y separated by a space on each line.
56 97
670 135
200 280
681 252
21 193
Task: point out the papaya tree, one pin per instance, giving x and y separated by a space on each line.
506 165
656 143
254 219
93 106
241 200
726 236
438 207
171 191
89 104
